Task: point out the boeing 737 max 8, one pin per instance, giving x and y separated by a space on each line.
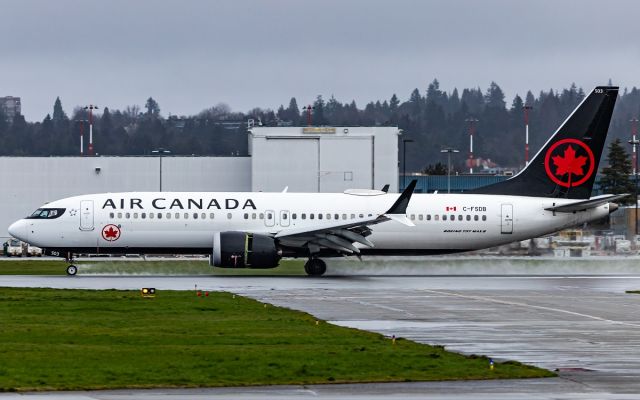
255 230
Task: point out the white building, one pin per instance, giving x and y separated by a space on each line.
313 159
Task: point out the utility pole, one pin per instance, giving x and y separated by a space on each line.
526 108
472 128
160 152
90 107
449 150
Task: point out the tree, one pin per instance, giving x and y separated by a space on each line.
58 113
615 176
153 109
438 169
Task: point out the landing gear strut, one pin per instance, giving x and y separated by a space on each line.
315 267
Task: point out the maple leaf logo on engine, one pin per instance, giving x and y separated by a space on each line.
111 233
573 161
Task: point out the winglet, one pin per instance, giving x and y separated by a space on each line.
400 206
385 188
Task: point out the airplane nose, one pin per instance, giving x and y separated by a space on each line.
19 230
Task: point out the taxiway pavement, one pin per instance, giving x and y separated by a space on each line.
586 327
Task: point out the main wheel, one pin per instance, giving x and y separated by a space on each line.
315 267
72 270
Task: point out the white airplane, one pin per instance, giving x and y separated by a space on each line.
255 230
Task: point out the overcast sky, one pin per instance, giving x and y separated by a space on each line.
190 55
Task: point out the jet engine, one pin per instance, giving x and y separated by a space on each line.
244 250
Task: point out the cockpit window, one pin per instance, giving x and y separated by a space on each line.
47 213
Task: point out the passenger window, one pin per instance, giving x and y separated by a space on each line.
119 215
203 216
186 215
460 217
261 215
336 216
420 217
436 217
168 215
177 215
112 215
143 215
151 215
353 216
452 217
195 215
328 216
319 216
475 217
135 215
246 215
303 216
484 217
361 215
269 216
468 217
428 217
229 215
284 216
294 216
159 215
253 215
444 217
211 215
127 215
311 216
413 217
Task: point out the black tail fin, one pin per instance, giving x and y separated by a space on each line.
567 164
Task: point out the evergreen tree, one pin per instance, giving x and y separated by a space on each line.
616 175
153 109
318 111
58 113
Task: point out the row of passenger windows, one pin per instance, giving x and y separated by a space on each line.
445 217
304 216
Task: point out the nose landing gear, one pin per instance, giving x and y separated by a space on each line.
71 269
315 267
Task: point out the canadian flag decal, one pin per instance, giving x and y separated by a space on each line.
448 208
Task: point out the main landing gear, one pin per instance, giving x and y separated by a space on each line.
315 267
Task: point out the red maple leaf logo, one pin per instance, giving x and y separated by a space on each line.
569 163
110 233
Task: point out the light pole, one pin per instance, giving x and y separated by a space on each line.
160 152
91 107
404 159
526 108
634 142
472 128
449 150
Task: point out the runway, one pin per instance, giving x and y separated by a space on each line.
585 327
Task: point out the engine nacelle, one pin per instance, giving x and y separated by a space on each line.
244 250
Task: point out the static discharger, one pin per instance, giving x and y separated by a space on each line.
148 292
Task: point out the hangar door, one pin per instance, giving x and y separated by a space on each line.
346 163
291 162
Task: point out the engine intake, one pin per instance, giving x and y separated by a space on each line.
244 250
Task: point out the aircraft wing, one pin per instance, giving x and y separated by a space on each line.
341 235
587 204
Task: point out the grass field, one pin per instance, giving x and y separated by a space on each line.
133 267
76 339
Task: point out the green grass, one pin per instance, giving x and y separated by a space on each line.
633 291
115 266
80 339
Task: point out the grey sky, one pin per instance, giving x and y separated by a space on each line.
190 55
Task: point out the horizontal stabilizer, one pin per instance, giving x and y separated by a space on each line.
587 204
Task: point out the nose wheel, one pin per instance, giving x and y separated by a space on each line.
315 267
72 270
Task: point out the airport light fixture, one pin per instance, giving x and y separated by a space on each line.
404 159
634 143
91 107
526 109
160 152
449 150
